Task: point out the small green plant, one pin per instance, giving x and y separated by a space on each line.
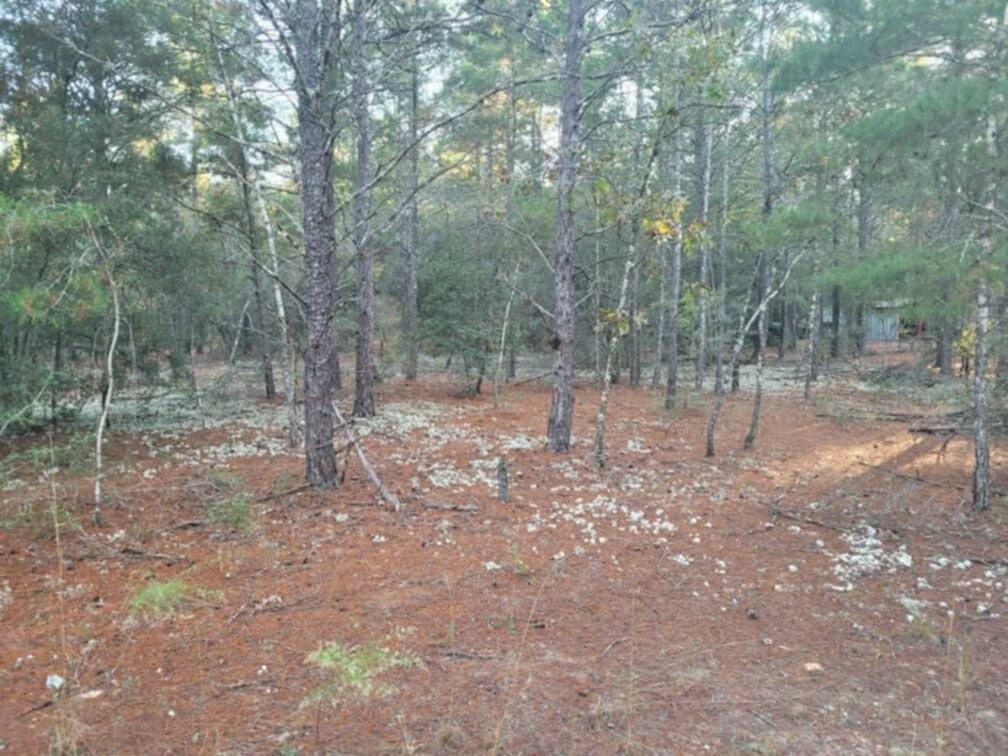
232 513
74 456
521 567
163 598
40 521
354 669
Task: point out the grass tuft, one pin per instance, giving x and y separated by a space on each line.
354 669
232 513
163 598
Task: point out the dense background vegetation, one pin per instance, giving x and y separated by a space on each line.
234 178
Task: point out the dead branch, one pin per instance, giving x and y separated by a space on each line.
387 496
450 507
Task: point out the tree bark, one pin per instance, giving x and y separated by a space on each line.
702 158
562 404
621 316
413 246
312 30
260 328
864 220
364 404
812 365
635 245
722 295
763 327
981 445
662 307
106 400
675 284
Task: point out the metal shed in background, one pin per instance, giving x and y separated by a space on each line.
883 322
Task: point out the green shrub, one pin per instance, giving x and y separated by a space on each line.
232 513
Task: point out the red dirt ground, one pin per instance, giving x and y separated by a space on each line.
728 631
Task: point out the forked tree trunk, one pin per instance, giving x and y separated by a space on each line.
562 404
743 329
621 315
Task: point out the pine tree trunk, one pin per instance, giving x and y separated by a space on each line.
260 327
720 313
413 245
764 261
675 284
597 296
562 404
310 24
864 241
762 330
364 404
600 417
811 366
702 159
634 346
662 307
981 468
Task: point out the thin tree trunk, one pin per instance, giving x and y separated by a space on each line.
981 467
762 329
785 332
600 418
57 371
672 338
597 295
413 246
835 315
499 372
562 404
261 335
864 220
106 401
703 176
722 294
764 261
812 366
288 368
364 404
743 329
662 306
635 244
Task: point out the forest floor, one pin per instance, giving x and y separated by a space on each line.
829 592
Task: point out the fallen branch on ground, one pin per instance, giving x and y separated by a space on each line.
450 507
387 496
